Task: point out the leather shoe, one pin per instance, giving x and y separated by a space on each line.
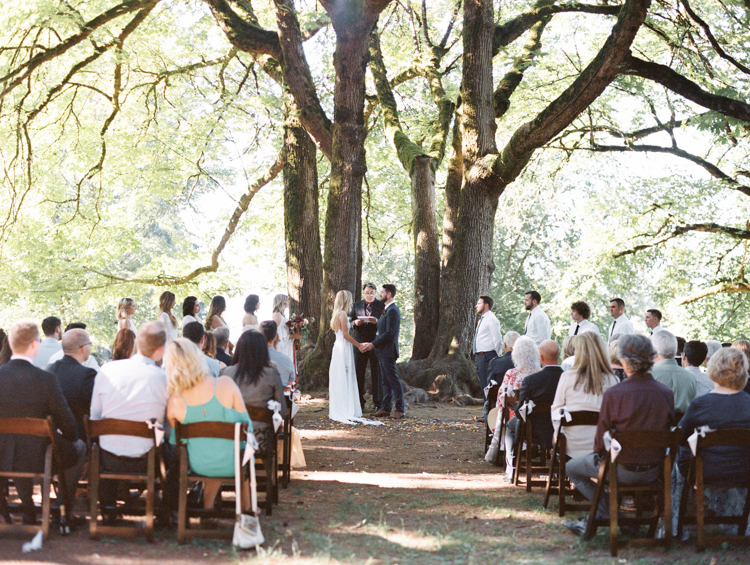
380 414
398 416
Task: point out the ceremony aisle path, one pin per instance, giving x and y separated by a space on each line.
415 491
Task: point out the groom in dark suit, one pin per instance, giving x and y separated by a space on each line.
385 345
364 330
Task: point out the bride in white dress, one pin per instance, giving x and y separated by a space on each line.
343 393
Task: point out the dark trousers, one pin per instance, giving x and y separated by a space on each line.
360 363
391 393
482 361
117 464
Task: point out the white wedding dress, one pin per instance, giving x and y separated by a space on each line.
343 393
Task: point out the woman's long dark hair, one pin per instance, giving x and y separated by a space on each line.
250 357
188 305
251 302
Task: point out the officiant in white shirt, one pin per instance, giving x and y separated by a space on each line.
620 324
537 324
580 313
488 340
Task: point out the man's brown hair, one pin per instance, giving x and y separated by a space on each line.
151 337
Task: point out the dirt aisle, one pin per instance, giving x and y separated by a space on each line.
414 491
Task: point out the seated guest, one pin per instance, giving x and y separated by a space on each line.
195 397
209 347
499 366
124 345
725 406
538 387
713 347
90 361
190 308
75 378
526 362
617 369
194 332
52 328
568 352
681 341
283 363
134 389
27 391
638 403
667 372
582 388
693 357
257 377
222 337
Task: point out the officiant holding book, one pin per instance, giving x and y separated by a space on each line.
365 315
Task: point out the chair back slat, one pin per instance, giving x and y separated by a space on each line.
734 437
648 439
114 426
219 430
40 427
582 418
257 414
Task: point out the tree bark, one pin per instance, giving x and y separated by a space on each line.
301 222
426 257
353 23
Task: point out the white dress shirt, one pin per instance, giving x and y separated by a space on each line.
584 326
130 389
91 362
47 348
537 326
620 325
658 328
489 336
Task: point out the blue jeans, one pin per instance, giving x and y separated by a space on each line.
391 392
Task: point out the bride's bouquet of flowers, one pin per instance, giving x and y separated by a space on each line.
297 324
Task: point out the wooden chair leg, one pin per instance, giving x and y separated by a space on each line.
613 508
699 506
667 506
182 501
46 485
549 486
94 491
592 525
150 491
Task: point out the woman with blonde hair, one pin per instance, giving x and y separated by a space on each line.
285 344
582 387
196 397
167 300
343 394
568 352
125 309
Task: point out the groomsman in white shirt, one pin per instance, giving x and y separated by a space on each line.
537 324
620 324
653 321
488 340
580 312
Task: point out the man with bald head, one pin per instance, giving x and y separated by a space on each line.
540 388
76 380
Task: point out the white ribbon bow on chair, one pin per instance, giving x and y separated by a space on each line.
277 419
158 431
526 409
251 446
558 415
611 445
492 383
693 439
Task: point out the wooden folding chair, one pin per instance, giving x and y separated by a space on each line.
666 441
112 426
557 479
36 427
267 461
532 458
217 430
729 437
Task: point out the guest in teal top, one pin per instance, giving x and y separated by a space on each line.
195 397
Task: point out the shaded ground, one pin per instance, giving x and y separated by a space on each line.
410 492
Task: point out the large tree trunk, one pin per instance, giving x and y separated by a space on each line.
426 257
301 224
353 23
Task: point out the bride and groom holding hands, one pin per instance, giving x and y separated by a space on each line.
376 324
